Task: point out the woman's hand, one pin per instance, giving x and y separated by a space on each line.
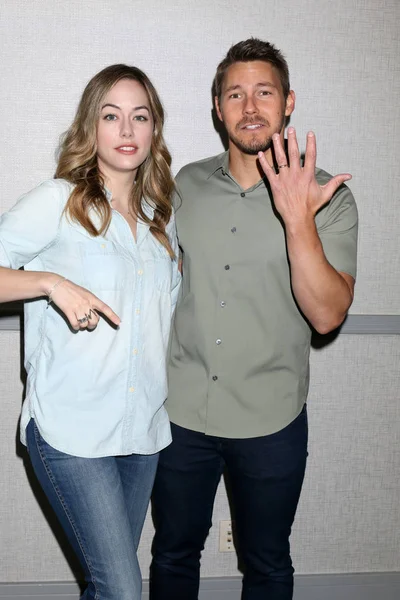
80 306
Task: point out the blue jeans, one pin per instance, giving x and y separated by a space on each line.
101 504
265 479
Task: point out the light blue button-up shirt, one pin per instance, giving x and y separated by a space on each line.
94 393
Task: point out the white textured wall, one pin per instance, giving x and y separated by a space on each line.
345 71
344 60
349 514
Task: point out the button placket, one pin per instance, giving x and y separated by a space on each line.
135 335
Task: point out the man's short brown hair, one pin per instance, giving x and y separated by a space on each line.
249 50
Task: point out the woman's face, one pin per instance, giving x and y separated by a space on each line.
124 130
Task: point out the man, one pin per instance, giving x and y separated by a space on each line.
269 248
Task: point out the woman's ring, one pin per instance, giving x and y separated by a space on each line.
84 319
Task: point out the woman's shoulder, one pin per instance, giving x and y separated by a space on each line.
60 187
50 193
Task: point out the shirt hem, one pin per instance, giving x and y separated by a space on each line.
215 432
116 452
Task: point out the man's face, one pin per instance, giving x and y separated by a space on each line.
252 106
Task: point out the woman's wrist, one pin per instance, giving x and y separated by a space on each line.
48 283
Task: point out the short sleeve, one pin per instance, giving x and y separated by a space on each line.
337 225
32 224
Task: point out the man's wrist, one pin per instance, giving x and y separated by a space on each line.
300 226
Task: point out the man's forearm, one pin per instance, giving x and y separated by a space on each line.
323 295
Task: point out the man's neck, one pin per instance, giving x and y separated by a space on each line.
244 167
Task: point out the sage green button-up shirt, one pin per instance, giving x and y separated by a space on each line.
239 357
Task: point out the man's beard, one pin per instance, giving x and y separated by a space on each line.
252 147
256 145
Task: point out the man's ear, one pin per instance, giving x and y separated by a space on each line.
290 103
217 108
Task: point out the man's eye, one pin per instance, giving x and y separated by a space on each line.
265 93
234 96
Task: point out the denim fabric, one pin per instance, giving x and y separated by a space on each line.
98 393
265 479
101 504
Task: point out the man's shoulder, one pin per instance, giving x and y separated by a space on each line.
322 176
201 168
342 206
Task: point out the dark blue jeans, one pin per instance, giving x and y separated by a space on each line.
101 504
265 479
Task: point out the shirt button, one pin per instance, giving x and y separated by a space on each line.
223 303
140 272
131 389
214 378
135 351
137 311
243 194
218 342
227 267
233 229
103 245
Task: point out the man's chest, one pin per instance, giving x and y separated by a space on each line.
234 226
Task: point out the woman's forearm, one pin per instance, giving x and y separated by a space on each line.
23 285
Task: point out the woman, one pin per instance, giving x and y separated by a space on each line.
98 244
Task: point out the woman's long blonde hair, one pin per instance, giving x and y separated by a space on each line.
77 161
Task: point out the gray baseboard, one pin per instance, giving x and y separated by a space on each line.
353 325
349 586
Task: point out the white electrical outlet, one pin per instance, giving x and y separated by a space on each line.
225 537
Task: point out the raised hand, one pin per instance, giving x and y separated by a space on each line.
297 194
80 306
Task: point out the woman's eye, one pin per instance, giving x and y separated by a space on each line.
110 117
140 118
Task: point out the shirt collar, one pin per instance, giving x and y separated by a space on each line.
219 163
147 206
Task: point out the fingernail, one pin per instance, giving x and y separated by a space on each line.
310 134
260 154
291 130
275 136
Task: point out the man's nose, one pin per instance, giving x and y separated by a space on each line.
250 107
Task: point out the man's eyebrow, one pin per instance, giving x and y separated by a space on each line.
119 108
266 84
260 84
231 88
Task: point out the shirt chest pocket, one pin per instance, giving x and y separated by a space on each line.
105 267
158 268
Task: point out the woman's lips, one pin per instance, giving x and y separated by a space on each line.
126 149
